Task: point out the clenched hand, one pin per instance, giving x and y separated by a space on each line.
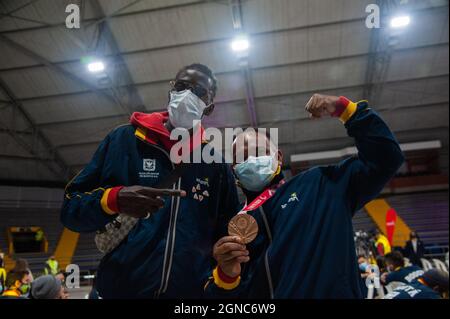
320 105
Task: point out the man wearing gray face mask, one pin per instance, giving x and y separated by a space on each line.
168 252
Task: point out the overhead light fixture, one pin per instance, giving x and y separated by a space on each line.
96 66
240 43
400 21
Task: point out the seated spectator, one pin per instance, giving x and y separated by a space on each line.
21 265
363 270
397 271
363 263
432 285
47 287
414 249
17 284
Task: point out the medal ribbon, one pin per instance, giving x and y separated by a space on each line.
261 198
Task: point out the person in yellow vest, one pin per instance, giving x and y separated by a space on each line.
39 235
51 266
382 244
2 273
17 284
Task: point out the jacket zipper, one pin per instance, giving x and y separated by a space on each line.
266 255
170 241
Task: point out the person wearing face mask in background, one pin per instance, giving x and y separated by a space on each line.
414 249
305 247
364 271
167 254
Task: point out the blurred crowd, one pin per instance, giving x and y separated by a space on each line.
19 282
398 273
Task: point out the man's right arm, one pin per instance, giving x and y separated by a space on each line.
89 206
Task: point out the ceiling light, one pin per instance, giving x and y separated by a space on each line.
400 21
240 43
96 66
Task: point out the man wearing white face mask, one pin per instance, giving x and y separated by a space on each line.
167 254
304 247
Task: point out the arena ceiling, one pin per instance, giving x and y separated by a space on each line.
54 113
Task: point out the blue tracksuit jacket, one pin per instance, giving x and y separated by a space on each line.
169 254
305 246
405 274
414 290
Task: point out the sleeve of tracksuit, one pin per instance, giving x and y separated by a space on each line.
379 155
89 206
220 286
390 277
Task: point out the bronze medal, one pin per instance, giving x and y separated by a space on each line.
243 226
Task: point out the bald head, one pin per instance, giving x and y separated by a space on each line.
253 143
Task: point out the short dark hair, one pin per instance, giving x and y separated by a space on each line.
395 258
14 276
201 68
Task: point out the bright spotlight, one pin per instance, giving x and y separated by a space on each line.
240 44
400 21
96 66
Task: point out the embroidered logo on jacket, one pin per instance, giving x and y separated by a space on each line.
292 198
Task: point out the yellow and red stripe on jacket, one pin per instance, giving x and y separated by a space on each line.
344 109
224 281
109 200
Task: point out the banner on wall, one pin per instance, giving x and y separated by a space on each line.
391 218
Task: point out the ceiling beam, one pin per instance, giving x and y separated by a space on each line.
102 18
4 130
93 21
201 42
20 157
107 37
260 98
216 40
289 64
58 69
18 8
272 123
63 170
243 61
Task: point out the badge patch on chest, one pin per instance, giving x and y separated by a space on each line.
200 189
148 168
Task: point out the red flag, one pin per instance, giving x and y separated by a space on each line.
391 218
